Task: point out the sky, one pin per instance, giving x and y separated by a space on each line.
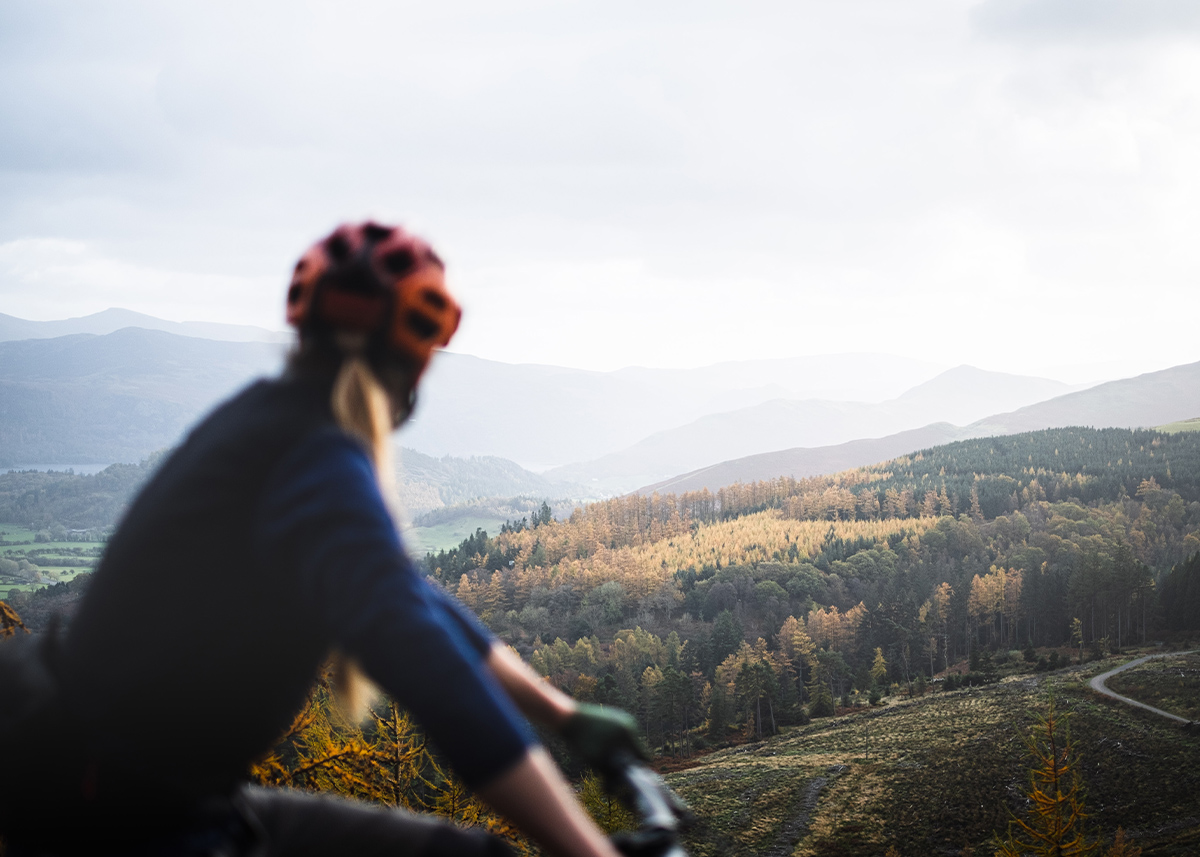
1013 184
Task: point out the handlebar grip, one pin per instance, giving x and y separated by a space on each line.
646 795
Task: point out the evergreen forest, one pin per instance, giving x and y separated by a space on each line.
768 603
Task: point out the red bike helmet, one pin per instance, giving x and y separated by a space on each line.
377 280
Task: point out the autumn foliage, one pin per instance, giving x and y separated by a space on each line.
1055 823
10 622
384 759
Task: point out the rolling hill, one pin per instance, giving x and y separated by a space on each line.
84 398
1151 399
957 396
550 416
801 462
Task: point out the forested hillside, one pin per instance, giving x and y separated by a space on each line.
428 484
61 500
704 607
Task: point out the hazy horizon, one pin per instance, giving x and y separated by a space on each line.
1079 375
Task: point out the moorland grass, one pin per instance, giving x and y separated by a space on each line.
940 773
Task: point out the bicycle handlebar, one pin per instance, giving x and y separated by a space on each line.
662 813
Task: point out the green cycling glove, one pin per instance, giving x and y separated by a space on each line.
602 735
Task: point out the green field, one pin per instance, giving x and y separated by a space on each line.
18 533
420 540
7 587
1184 425
938 774
423 540
59 562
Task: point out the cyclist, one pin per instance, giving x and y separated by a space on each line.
261 546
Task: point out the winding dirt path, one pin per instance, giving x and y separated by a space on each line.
1098 684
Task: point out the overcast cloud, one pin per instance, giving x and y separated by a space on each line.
1011 183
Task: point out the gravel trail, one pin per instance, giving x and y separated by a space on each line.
1098 684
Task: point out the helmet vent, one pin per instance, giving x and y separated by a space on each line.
425 328
338 247
399 262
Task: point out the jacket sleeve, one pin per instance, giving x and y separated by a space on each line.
480 638
322 513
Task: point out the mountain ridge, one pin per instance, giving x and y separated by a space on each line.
957 396
1151 399
114 319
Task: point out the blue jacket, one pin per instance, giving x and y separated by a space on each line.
261 545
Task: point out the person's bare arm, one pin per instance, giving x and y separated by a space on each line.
538 700
535 797
598 734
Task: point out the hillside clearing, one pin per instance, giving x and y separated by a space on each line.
937 774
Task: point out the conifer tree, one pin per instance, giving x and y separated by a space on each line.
1056 823
879 668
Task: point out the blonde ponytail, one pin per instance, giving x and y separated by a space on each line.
362 408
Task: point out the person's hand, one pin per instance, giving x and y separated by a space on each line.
602 735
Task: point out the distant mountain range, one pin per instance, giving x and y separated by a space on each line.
112 320
538 416
957 396
1156 398
548 416
801 462
484 427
